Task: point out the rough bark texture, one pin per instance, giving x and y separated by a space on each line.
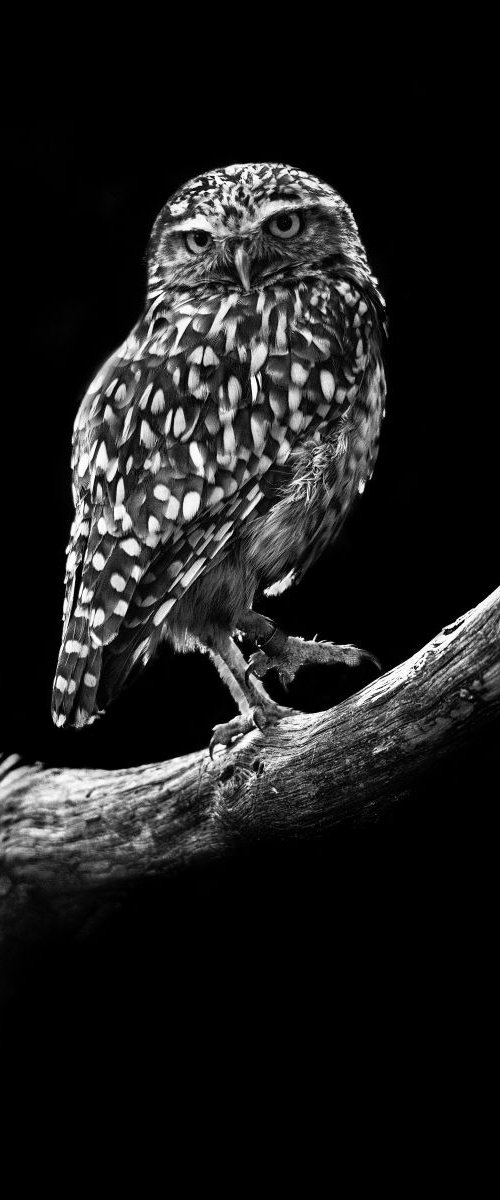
72 841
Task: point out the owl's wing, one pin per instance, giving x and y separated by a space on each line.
174 449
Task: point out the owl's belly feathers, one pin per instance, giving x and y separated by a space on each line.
323 477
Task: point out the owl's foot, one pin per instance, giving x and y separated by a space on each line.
262 716
294 653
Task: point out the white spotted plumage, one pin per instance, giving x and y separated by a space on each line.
248 359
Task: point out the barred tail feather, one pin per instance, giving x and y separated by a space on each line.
77 677
101 577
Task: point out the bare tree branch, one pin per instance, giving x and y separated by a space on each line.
71 839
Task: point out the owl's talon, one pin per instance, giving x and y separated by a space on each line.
229 731
297 653
259 664
262 716
351 656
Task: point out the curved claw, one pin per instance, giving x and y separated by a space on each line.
366 656
211 746
252 666
218 740
226 734
352 655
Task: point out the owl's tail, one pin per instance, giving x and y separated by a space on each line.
77 676
101 577
83 669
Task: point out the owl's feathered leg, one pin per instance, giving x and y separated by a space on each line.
289 654
257 709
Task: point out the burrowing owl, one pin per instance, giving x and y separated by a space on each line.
220 448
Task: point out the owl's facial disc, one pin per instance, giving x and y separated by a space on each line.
285 221
274 242
234 251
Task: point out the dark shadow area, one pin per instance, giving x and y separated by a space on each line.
203 952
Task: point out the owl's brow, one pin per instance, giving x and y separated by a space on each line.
268 209
305 204
190 223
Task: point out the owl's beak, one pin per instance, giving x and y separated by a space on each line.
242 264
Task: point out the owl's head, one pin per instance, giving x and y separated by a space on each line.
252 225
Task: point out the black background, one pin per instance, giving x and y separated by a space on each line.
281 921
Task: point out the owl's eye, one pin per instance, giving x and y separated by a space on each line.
285 225
197 241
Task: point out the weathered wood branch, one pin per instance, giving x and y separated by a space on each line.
70 839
